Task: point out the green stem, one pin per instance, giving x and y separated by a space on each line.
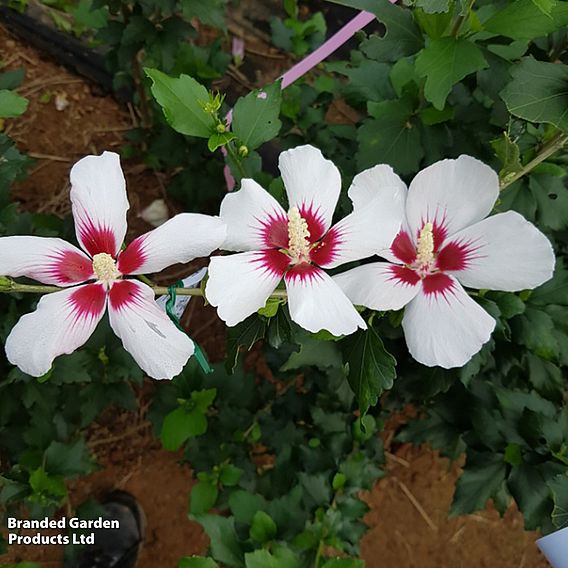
158 290
552 146
236 159
460 20
318 554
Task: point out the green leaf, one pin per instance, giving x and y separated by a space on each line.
338 481
182 101
523 19
209 12
44 485
230 475
219 139
545 6
203 399
180 425
313 353
255 117
68 459
538 92
510 155
555 291
11 104
391 137
371 367
225 545
402 36
445 62
203 497
344 563
279 328
559 488
433 6
197 562
528 486
244 334
482 477
551 195
281 558
244 505
534 329
262 528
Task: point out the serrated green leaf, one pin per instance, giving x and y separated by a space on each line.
482 476
11 104
433 6
559 487
372 369
445 62
538 92
180 425
262 528
203 497
392 137
244 334
534 329
551 195
255 117
182 101
225 545
402 36
219 139
523 19
281 558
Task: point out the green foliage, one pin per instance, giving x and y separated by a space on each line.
183 101
255 117
538 92
444 62
371 367
11 104
280 458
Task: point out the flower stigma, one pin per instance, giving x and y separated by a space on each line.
298 237
104 267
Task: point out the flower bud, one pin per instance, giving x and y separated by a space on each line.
243 151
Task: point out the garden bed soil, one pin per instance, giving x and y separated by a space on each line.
408 522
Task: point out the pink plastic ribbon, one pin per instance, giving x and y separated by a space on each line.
327 48
308 63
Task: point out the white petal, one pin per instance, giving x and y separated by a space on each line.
316 302
377 286
367 231
181 239
61 323
47 260
367 184
147 333
446 329
456 193
239 285
509 254
312 182
99 203
250 214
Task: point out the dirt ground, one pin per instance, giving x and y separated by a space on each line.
408 523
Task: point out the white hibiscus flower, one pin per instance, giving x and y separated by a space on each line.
447 242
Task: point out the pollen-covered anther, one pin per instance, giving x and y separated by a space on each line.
425 245
298 236
104 267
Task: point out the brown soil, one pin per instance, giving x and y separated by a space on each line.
408 521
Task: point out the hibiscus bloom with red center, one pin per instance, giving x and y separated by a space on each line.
447 242
96 277
299 244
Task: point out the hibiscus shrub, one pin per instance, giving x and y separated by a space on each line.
412 255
